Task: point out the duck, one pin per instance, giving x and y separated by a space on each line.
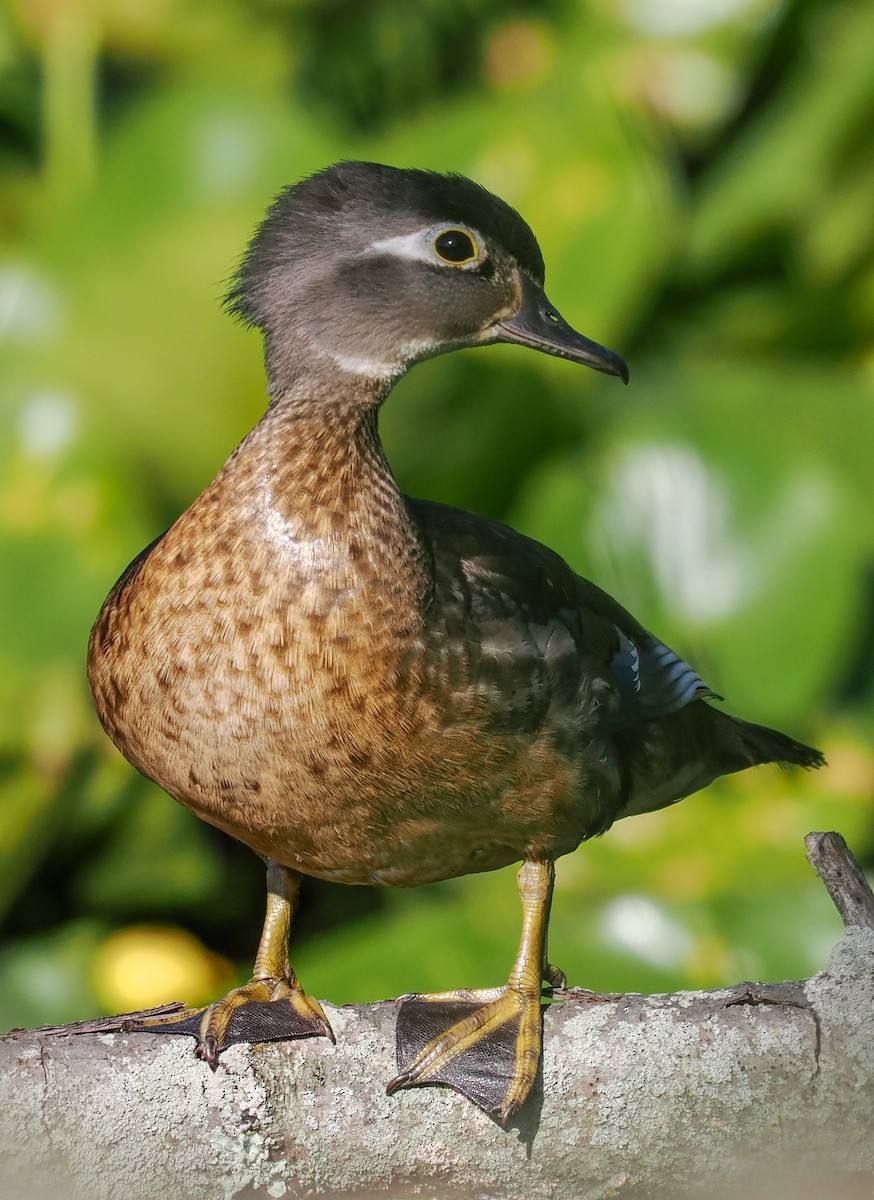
374 689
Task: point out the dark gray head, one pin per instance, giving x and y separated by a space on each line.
368 269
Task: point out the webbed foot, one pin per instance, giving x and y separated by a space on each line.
486 1043
262 1010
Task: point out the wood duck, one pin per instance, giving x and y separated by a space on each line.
374 689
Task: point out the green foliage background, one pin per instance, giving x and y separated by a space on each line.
701 179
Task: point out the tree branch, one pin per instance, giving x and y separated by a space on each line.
839 871
639 1095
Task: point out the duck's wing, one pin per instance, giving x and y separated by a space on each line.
539 633
558 651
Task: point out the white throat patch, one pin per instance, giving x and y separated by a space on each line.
370 368
367 367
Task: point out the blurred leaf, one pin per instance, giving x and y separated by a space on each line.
46 977
26 801
783 165
156 858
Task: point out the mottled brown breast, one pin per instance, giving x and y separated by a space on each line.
271 664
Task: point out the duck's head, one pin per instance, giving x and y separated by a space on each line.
366 269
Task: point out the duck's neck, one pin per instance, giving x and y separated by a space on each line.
313 472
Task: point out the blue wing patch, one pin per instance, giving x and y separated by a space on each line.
652 681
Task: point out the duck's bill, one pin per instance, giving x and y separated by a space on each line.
538 325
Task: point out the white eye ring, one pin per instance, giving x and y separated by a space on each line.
420 246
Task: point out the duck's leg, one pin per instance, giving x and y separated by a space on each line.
490 1050
272 1005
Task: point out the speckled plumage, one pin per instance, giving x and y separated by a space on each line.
374 689
294 662
368 688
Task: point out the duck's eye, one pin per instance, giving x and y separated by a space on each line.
456 246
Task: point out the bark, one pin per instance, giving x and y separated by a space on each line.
765 1087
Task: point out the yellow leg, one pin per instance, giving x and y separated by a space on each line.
273 981
492 1053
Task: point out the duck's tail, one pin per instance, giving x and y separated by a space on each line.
676 755
759 744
